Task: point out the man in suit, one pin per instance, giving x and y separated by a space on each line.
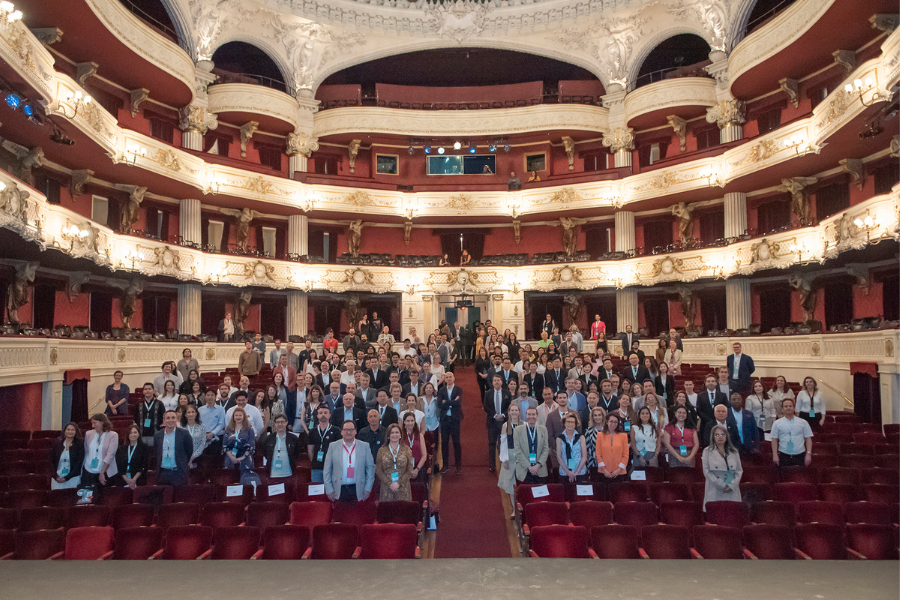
464 338
746 433
296 400
450 411
606 371
366 392
707 400
567 345
174 448
555 427
275 354
555 378
496 404
348 411
740 368
349 469
386 413
506 373
378 375
534 380
635 371
288 374
533 449
628 338
496 361
333 399
576 400
607 399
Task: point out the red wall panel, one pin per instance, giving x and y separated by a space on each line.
21 406
71 313
868 305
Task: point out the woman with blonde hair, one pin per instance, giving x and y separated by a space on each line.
393 466
596 421
721 468
507 479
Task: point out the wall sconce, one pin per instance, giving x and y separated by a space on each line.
712 178
216 276
799 249
211 187
861 87
135 152
8 13
514 206
72 234
75 101
869 224
134 256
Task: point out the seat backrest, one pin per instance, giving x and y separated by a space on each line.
882 476
132 515
310 514
799 475
116 496
755 474
9 518
591 514
354 513
838 492
155 495
728 514
44 517
388 540
821 541
769 542
560 541
235 543
666 541
7 541
794 492
187 543
876 492
89 543
871 513
197 494
87 516
39 545
268 514
683 514
820 512
285 542
717 542
875 542
684 475
137 543
538 514
334 541
839 475
669 492
775 513
637 514
178 515
27 499
629 491
399 512
525 493
222 514
615 541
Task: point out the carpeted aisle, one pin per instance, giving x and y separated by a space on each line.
473 520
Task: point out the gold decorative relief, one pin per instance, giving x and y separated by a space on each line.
815 348
666 266
259 185
760 151
54 356
889 348
720 349
210 354
663 181
359 198
121 355
167 159
460 202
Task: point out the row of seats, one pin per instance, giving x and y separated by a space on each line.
546 258
815 541
501 260
191 542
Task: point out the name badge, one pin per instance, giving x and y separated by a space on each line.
627 426
532 458
572 464
277 465
789 447
128 474
683 450
320 456
95 463
350 472
395 477
64 471
812 413
147 422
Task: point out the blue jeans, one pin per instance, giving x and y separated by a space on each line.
318 476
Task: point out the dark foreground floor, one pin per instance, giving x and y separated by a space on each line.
456 579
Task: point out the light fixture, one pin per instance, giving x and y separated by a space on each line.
441 150
136 152
473 147
8 10
506 147
72 234
869 223
492 147
427 148
411 150
75 100
457 145
860 87
13 100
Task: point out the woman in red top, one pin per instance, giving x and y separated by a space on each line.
597 327
680 440
330 343
413 438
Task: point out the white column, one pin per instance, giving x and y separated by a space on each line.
189 222
737 303
624 232
622 158
296 164
735 214
626 309
297 312
412 314
189 306
298 235
497 312
51 402
192 140
732 132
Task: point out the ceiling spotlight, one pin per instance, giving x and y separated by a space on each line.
457 145
492 147
35 118
506 147
427 149
13 100
472 147
441 150
411 150
28 109
61 138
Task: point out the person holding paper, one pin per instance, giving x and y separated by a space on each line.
349 471
572 452
791 438
280 450
174 448
721 468
810 407
612 451
680 440
394 466
532 449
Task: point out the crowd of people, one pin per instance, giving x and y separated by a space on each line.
553 413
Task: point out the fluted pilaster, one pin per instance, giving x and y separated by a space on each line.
626 309
298 234
189 308
189 222
297 312
735 214
737 303
624 232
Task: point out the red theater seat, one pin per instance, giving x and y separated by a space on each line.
233 543
874 542
831 513
667 542
310 514
195 494
388 541
89 543
35 519
334 541
560 541
821 541
783 514
591 514
268 514
629 491
38 545
598 492
355 513
185 543
682 514
882 493
130 516
770 542
137 543
616 542
222 514
540 514
715 542
794 492
525 494
284 542
838 492
681 475
728 514
669 492
178 515
871 513
155 495
636 514
117 496
87 516
9 518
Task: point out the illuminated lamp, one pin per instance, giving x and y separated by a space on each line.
13 100
441 150
457 145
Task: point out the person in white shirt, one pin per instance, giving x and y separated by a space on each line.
722 384
577 338
407 349
412 405
256 420
349 376
169 397
756 402
689 392
810 406
168 374
791 439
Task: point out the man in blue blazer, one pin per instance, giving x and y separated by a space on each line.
450 411
174 448
740 368
742 427
353 481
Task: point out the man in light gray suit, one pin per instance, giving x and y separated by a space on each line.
275 354
349 469
532 450
365 392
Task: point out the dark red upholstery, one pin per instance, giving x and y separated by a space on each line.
155 495
310 514
770 542
388 540
669 492
856 461
268 514
882 493
524 494
637 514
775 513
838 492
666 541
399 512
875 542
235 543
244 499
820 512
18 467
89 543
117 496
222 514
800 475
132 515
38 545
629 491
821 541
616 541
219 477
872 513
27 499
9 518
716 542
7 541
62 498
301 494
284 542
18 483
683 514
599 493
755 492
728 514
419 492
45 517
794 492
882 476
591 514
560 541
683 475
196 494
178 515
137 543
539 514
87 516
334 541
839 475
354 513
767 474
186 543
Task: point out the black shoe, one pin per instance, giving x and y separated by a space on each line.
444 470
458 471
492 469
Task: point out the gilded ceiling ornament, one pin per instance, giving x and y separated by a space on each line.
761 151
711 15
359 276
763 250
359 198
565 274
258 270
167 259
666 266
564 198
610 42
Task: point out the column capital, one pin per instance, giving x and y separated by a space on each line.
301 143
620 139
726 112
196 118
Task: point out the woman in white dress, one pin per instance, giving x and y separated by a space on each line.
657 413
811 405
645 438
507 479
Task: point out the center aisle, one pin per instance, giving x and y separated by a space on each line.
473 520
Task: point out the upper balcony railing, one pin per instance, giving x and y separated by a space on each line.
153 22
695 70
224 76
765 17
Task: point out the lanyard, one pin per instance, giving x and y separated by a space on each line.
394 453
131 450
349 453
192 429
532 436
149 407
322 435
411 439
681 430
